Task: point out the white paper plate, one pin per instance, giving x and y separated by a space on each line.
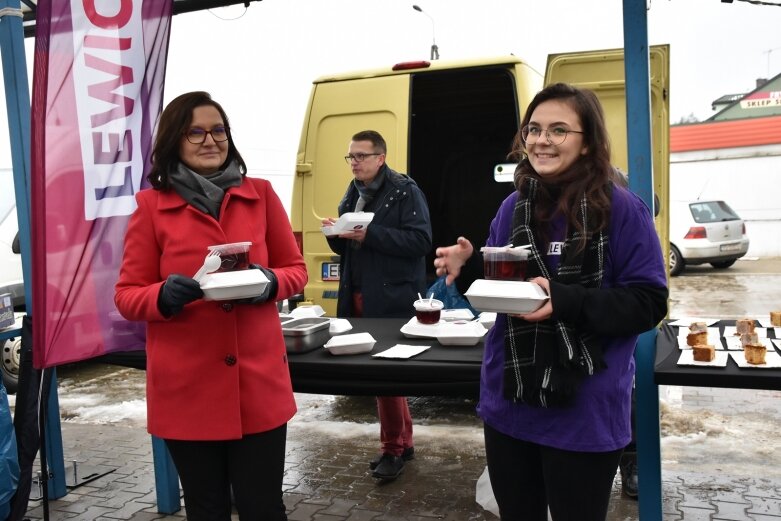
353 344
772 360
732 330
714 341
687 358
414 329
231 285
685 321
505 296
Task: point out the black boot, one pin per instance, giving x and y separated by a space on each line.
628 467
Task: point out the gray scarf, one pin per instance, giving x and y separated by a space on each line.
205 192
367 192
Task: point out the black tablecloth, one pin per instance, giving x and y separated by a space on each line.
439 371
668 372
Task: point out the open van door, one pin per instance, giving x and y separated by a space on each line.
603 73
338 110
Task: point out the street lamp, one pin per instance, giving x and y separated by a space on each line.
434 48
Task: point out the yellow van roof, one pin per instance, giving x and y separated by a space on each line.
424 66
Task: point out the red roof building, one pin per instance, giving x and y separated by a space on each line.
725 134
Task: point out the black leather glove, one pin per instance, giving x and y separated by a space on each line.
269 292
177 291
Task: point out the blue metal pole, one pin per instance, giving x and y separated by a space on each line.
638 115
166 478
17 95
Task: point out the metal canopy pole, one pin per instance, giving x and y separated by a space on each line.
638 115
17 94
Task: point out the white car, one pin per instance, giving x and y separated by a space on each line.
10 282
705 232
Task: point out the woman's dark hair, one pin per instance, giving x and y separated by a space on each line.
174 122
591 174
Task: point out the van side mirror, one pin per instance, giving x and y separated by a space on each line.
504 172
16 246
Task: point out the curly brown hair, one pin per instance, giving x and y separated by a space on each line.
174 122
592 173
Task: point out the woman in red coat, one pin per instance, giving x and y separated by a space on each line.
218 384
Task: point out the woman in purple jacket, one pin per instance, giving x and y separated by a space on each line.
556 383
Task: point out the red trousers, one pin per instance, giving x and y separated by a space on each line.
393 411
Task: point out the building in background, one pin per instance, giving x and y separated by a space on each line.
735 155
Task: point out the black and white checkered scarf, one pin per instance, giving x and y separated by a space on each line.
545 361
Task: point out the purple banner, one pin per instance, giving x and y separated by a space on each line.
97 92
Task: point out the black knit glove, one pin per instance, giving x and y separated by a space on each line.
177 291
269 292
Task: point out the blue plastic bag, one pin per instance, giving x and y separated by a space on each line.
9 461
450 296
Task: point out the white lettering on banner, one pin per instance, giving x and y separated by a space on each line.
108 71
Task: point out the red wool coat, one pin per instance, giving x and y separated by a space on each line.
215 371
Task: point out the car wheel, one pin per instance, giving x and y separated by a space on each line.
12 350
723 264
676 261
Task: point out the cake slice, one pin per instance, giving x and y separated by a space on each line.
698 327
749 338
703 353
744 325
775 318
755 353
700 337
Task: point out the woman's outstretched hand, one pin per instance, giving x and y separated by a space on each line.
450 259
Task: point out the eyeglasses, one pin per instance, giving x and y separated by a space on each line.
196 135
555 136
358 157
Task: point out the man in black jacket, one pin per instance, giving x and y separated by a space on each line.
382 269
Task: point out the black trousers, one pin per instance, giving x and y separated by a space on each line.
528 478
252 466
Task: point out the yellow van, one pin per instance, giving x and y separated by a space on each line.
449 126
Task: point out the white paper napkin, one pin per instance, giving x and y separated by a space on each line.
401 351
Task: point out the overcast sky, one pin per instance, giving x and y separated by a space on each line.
259 62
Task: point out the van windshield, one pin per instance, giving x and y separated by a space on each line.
712 211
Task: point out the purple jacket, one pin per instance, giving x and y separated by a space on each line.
599 420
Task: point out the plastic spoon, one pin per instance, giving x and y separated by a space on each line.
210 263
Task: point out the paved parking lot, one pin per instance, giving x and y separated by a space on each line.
327 477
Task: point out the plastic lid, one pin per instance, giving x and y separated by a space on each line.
233 247
520 251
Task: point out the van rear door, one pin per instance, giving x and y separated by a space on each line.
603 73
339 109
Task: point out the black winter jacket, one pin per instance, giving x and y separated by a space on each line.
393 269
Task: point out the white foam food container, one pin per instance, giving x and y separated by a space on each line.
505 296
348 222
450 315
487 319
353 344
461 333
231 285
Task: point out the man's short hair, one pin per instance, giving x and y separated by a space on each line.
372 135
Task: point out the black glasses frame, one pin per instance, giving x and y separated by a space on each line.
546 132
205 133
359 157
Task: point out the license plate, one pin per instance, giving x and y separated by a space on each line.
330 271
730 247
